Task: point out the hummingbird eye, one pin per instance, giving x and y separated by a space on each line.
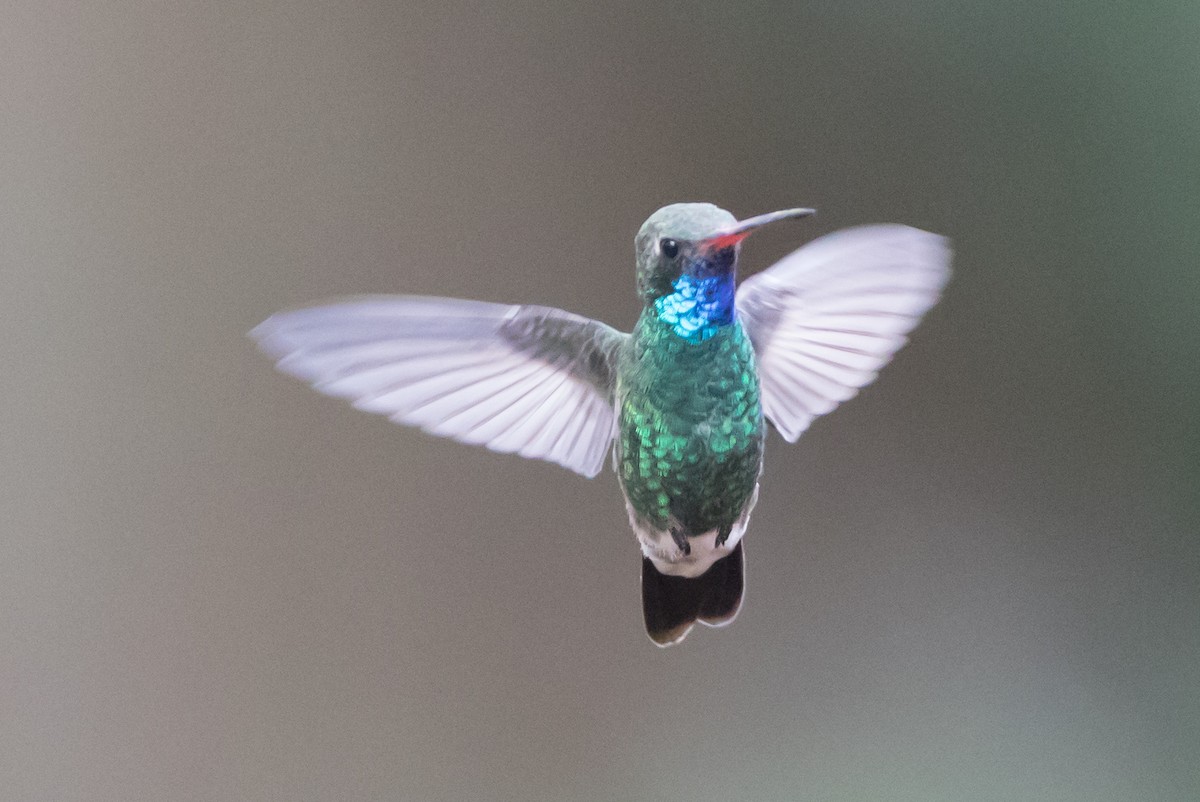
669 248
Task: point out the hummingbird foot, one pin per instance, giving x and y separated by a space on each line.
681 541
723 534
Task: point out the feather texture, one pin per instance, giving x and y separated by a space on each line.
826 318
526 379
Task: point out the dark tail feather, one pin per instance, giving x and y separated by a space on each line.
672 604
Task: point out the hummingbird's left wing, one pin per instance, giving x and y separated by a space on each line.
825 319
527 379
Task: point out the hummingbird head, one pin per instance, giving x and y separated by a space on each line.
695 242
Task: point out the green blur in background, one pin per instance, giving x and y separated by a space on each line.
980 580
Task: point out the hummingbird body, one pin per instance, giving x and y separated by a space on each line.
689 443
689 451
682 401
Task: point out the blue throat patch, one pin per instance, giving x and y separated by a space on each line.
698 307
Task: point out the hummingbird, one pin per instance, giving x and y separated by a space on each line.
682 402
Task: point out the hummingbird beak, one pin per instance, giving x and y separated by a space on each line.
744 228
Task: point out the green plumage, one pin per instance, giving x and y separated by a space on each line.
690 427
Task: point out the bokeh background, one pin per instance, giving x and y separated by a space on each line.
978 580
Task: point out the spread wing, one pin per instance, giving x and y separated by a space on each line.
525 379
826 318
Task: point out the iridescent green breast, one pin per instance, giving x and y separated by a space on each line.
690 426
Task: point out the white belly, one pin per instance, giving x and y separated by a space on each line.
669 559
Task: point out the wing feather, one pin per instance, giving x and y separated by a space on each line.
827 318
531 380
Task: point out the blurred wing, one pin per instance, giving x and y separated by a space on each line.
525 379
825 319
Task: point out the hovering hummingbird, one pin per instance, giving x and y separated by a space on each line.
682 401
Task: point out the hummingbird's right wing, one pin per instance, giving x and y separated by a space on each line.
527 379
826 318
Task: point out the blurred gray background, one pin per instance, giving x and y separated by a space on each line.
978 580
